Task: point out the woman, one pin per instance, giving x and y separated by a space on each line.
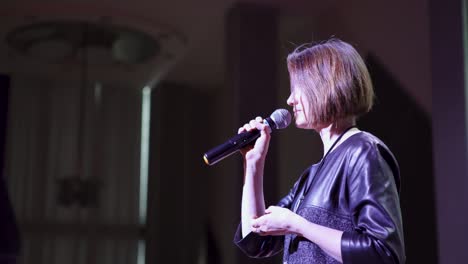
346 207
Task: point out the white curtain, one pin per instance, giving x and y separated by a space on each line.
43 147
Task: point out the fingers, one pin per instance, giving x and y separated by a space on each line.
271 209
264 229
258 221
260 226
259 229
269 232
256 123
260 232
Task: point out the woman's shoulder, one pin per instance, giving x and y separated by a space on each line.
362 145
366 142
366 146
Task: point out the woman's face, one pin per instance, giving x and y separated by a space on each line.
301 108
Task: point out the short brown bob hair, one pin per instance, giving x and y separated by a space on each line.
334 79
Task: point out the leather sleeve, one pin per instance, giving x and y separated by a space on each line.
256 246
375 209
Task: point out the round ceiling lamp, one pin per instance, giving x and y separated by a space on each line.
63 41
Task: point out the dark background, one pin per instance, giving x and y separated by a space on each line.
70 159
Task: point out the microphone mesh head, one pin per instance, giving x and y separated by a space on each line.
281 117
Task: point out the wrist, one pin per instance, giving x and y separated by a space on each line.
255 157
254 160
296 224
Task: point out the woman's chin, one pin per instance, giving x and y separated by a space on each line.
302 125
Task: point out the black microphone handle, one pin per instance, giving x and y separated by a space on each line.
230 147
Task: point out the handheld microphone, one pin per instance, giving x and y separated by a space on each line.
279 119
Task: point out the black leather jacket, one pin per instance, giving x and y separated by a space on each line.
356 191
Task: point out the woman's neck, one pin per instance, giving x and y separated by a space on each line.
333 131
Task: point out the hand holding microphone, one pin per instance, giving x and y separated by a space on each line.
279 119
259 147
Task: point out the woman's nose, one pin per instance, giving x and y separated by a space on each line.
290 100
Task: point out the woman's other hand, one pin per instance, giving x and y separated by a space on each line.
276 221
